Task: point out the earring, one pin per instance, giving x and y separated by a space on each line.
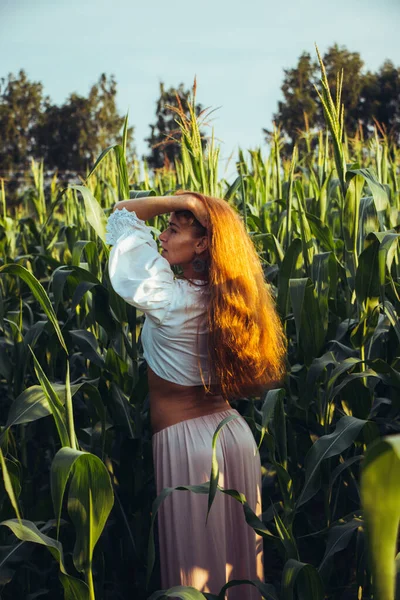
199 265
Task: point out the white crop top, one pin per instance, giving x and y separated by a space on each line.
174 308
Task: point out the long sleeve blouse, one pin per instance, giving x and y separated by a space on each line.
175 310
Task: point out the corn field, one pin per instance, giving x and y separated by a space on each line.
77 496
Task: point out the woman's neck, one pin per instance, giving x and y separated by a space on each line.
190 273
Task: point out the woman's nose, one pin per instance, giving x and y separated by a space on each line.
160 237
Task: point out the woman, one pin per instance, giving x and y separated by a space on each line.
209 336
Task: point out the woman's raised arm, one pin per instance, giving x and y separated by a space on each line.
151 206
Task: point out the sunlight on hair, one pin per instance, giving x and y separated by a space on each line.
247 345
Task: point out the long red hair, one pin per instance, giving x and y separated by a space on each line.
246 345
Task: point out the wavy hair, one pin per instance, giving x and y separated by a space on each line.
246 344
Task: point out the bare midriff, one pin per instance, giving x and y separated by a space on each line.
171 403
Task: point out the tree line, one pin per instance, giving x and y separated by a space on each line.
369 98
69 137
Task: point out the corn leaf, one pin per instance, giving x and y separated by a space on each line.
307 315
380 500
90 499
214 477
346 432
74 589
338 539
287 271
54 401
39 293
301 577
94 213
8 485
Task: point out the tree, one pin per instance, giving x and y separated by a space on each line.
164 140
71 136
300 97
105 115
366 96
68 137
21 105
382 98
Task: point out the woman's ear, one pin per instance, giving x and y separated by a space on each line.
202 244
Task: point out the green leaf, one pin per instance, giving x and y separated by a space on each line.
233 188
374 260
366 329
393 317
286 486
39 293
125 134
90 499
321 274
360 395
338 539
13 554
94 213
321 232
342 467
388 245
55 403
271 244
97 404
288 270
123 179
378 190
286 536
122 409
27 531
351 209
302 577
74 274
74 589
347 430
214 477
88 345
100 160
268 410
342 367
79 293
9 486
380 500
317 368
368 221
90 249
305 231
307 315
33 404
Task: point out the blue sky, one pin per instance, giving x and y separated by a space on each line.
237 50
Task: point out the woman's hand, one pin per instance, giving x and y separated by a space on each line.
198 208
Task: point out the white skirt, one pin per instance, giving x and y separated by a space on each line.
191 553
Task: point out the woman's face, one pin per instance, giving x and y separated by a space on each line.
179 244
